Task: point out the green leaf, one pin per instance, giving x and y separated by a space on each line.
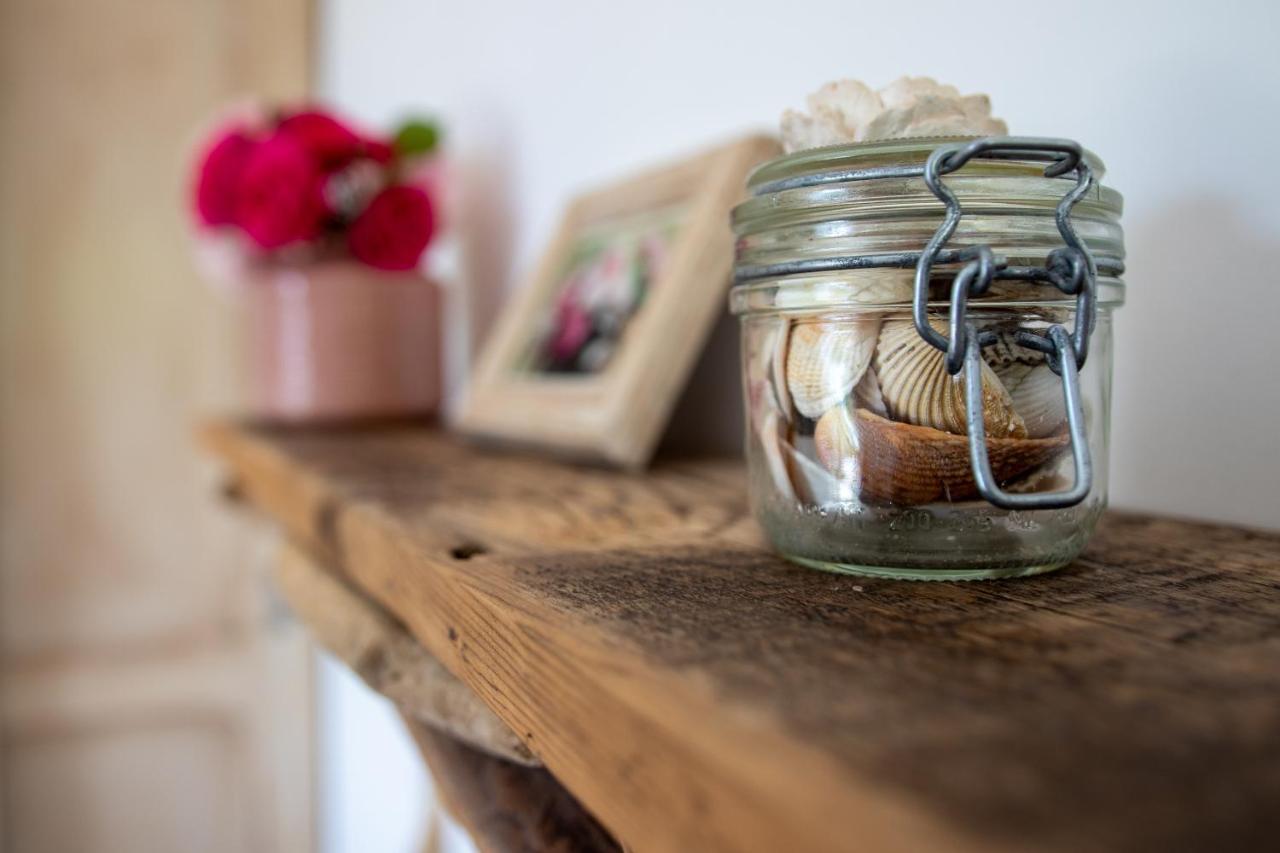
416 137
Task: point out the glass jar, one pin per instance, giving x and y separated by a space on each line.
926 329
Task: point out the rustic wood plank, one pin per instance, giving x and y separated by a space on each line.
386 658
507 807
696 692
484 774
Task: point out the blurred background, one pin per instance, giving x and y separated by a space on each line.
155 696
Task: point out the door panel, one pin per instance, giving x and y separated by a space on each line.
150 701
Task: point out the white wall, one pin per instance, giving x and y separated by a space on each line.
374 790
1181 100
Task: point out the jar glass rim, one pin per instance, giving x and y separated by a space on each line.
867 205
856 155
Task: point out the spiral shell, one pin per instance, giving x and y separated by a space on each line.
1036 392
909 465
825 360
918 390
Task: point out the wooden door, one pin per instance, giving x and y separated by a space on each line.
152 698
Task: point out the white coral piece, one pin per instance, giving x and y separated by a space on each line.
906 91
849 111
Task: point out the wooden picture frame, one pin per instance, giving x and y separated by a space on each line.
617 414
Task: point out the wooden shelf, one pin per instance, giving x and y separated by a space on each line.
698 693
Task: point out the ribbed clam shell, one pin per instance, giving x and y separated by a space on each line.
1037 397
909 465
918 390
825 359
836 442
1007 350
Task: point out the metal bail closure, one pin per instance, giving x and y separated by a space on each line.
1065 357
1071 269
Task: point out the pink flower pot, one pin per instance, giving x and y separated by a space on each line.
336 340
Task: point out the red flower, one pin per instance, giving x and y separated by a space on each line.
394 230
378 151
329 141
218 182
281 194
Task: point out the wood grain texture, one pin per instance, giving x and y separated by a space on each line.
507 807
387 659
697 692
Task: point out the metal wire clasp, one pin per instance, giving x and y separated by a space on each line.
1071 269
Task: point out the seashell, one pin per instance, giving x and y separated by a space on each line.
1006 350
761 344
778 368
1037 397
825 360
909 465
918 390
796 477
867 394
836 442
771 445
813 483
1056 477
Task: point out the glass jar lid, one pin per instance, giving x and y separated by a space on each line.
835 219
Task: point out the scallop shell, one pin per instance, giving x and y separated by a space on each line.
910 465
918 390
825 359
836 442
1037 397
